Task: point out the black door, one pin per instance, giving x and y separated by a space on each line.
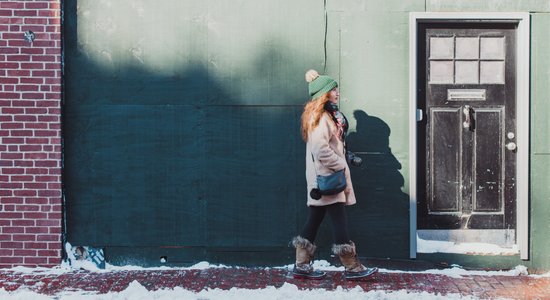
467 136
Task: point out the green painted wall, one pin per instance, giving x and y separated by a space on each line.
181 124
534 6
540 139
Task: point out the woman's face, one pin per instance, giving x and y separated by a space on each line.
334 95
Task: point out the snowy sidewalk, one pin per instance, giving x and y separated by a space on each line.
212 282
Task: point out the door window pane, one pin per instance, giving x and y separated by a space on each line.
467 60
492 48
467 72
492 72
467 48
441 71
441 47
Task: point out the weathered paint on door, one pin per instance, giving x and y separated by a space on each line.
469 128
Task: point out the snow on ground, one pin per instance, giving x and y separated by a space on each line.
432 246
454 271
458 272
65 267
136 291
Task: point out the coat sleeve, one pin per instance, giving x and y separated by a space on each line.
320 148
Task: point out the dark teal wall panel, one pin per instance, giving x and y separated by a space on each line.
133 175
255 168
380 219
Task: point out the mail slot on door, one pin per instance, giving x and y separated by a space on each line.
466 95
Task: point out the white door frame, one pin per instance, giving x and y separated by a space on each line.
522 100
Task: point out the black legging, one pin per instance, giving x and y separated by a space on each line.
338 216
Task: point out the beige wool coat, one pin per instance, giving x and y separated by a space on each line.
328 153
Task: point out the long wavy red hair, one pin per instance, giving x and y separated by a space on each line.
313 111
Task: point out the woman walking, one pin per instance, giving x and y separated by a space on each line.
323 129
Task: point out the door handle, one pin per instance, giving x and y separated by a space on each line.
467 112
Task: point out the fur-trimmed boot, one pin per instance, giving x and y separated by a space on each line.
348 257
304 259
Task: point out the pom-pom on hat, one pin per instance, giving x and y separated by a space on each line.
319 84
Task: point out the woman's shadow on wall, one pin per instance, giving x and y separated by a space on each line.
379 222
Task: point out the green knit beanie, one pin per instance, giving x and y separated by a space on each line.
319 84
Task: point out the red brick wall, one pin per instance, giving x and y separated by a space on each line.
30 134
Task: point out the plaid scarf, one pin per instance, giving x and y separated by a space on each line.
338 118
